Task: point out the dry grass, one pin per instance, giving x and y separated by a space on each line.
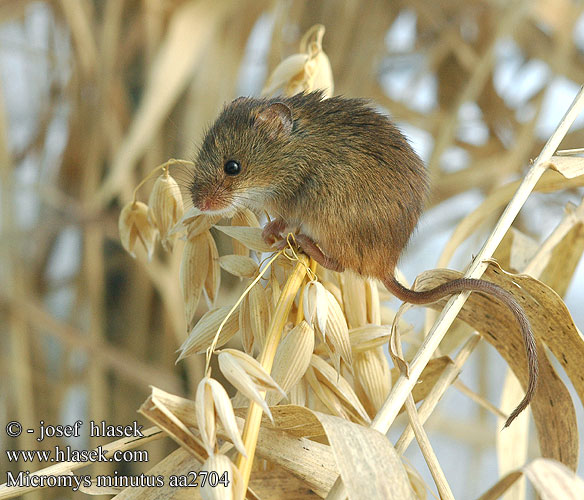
87 329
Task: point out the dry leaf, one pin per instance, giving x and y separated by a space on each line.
569 166
368 463
551 323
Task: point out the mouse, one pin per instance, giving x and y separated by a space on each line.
342 178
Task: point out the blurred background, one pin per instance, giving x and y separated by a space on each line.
95 94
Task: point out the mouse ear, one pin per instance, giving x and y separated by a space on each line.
276 119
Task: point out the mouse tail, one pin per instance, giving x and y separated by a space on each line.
468 284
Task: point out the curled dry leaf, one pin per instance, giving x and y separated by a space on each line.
228 490
337 383
161 409
239 265
551 480
569 166
211 399
251 237
194 269
292 359
551 323
206 328
359 448
134 226
247 376
297 421
165 207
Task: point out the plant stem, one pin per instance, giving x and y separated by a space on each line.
254 414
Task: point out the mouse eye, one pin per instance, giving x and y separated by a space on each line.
232 167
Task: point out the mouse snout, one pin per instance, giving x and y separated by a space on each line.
214 201
208 205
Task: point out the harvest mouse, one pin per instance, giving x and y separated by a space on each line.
342 178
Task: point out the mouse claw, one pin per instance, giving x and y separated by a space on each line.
273 231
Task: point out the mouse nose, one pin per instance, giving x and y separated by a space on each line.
206 204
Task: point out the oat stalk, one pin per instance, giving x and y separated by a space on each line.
266 359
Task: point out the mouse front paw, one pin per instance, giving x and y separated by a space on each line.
273 230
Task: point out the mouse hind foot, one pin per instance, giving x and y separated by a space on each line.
275 233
